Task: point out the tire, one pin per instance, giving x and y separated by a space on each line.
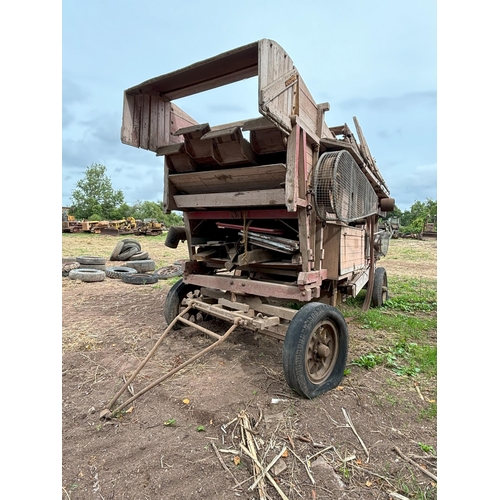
140 256
118 248
89 259
308 372
128 251
166 272
116 272
142 266
87 275
139 279
380 292
100 267
175 301
130 241
66 268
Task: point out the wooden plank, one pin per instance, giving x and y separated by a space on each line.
162 135
204 255
233 199
234 179
228 67
127 136
144 130
255 256
136 127
153 124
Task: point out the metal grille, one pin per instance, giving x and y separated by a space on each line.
341 190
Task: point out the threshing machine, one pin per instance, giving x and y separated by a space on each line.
280 210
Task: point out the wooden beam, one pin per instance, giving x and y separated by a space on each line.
233 199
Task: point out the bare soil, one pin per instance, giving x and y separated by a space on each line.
163 445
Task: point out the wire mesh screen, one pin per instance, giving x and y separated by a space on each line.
341 190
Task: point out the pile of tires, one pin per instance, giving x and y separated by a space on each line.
128 250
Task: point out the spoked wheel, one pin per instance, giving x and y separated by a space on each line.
177 299
380 292
315 350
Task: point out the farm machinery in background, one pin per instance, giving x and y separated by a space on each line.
287 216
130 225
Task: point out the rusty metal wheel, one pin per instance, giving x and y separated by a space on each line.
177 299
315 349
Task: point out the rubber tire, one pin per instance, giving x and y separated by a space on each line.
172 306
130 241
139 279
127 252
142 266
166 272
118 248
296 343
116 272
379 296
87 275
90 259
100 267
140 256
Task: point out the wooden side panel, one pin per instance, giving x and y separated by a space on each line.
234 179
352 249
269 197
127 131
149 122
331 244
274 63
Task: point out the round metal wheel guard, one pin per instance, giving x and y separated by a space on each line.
168 271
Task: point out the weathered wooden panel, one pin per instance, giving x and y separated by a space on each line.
234 179
234 199
231 147
352 249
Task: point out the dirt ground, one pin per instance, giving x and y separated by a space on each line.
181 439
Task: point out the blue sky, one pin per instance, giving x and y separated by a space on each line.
373 60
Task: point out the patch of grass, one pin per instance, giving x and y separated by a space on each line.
429 413
403 358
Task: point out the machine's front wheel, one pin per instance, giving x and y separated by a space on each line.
176 300
380 292
315 349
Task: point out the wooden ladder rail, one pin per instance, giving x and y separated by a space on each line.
108 412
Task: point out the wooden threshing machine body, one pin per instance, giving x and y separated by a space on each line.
280 210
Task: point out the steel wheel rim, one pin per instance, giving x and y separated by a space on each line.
192 315
322 351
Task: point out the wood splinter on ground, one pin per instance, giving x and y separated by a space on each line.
351 425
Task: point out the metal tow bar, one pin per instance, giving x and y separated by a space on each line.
109 412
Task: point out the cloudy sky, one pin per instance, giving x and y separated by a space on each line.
373 60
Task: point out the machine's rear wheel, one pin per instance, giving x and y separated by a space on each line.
315 349
380 292
176 300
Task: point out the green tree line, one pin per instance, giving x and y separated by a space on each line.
94 198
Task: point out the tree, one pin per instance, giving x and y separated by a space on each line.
94 196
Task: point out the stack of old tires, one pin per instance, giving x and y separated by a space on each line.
138 264
90 269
